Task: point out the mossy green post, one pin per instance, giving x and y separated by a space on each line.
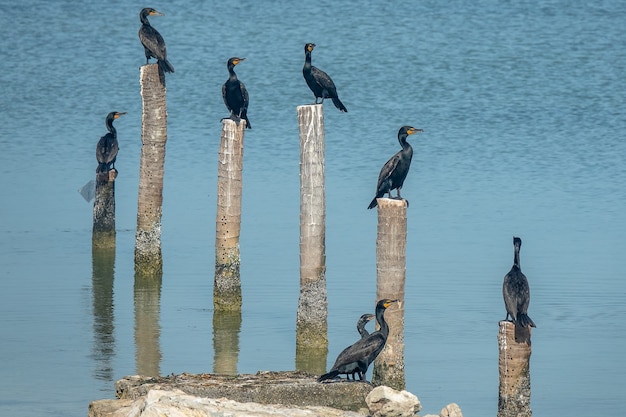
227 282
148 259
390 280
312 316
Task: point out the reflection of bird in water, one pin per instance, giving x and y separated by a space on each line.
393 173
152 41
318 81
355 359
516 291
107 147
235 94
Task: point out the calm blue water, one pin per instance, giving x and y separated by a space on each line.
523 106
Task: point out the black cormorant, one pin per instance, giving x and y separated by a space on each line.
318 81
235 94
516 291
360 324
355 359
107 147
152 41
394 172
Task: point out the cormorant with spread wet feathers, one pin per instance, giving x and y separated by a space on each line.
235 94
107 147
318 81
516 291
395 170
356 359
152 41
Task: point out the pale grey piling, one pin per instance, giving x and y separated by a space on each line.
312 316
227 282
514 368
148 259
390 280
103 232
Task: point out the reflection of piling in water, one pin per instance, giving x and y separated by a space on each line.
148 258
227 283
103 264
147 293
311 323
226 328
103 233
514 367
390 279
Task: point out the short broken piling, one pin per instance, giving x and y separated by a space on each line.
148 258
514 369
103 233
312 316
227 282
390 280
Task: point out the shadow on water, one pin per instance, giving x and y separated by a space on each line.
226 329
103 351
147 298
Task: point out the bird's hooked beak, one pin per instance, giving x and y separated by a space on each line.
389 302
156 13
311 47
237 61
411 131
118 114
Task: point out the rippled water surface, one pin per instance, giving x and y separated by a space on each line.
522 104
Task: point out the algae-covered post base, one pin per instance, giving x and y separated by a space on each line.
390 280
312 316
103 233
514 368
148 259
227 282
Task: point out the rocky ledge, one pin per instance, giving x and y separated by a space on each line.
277 394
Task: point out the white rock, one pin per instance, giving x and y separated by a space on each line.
451 410
387 402
175 403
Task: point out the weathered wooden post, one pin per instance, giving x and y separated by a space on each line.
103 232
227 283
312 317
390 280
148 259
147 298
514 367
226 328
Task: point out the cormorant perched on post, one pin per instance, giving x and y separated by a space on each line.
516 291
394 172
235 94
318 81
107 147
355 359
152 41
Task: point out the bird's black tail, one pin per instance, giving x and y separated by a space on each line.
339 104
329 375
373 204
102 168
523 320
165 65
244 116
